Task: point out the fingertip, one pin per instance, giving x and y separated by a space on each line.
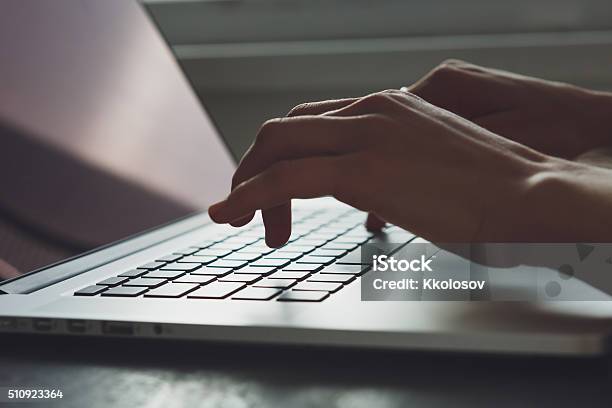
214 211
374 223
276 240
242 221
277 222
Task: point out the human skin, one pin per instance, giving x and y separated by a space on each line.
467 154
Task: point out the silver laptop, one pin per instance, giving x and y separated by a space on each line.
107 161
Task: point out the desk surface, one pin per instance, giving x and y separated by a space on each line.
118 373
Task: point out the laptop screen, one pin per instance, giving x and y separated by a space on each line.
101 135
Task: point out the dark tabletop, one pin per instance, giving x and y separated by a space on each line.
128 373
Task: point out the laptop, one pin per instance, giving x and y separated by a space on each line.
108 161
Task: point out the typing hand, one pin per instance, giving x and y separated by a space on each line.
397 156
555 118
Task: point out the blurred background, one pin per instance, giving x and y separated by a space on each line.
248 60
254 59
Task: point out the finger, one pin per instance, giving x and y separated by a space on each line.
300 137
386 102
241 222
466 90
374 223
277 221
318 108
302 178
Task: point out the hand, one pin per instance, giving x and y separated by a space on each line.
393 154
552 117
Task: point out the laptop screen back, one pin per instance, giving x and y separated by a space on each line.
101 135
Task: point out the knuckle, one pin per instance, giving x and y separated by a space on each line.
300 109
453 62
267 131
377 100
391 92
447 71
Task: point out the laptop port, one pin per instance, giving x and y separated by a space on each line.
76 326
118 328
43 324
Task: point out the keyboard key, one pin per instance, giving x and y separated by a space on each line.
338 246
216 290
239 277
345 269
260 270
296 248
224 263
169 258
212 271
230 246
350 240
90 290
359 232
302 296
213 252
328 252
124 291
252 293
172 290
145 282
257 248
291 256
152 265
242 239
275 283
199 279
303 267
327 277
289 275
323 286
270 262
335 229
162 274
181 266
255 233
354 258
187 251
399 235
323 260
204 244
242 256
314 239
198 259
114 281
132 273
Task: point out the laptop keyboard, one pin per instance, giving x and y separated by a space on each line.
321 258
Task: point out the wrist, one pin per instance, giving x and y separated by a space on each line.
598 108
532 209
564 202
